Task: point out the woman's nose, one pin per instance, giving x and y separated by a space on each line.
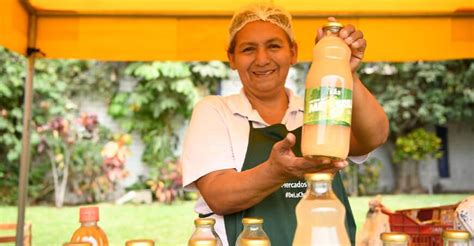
262 57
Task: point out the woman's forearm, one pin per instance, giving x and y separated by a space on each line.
369 127
228 191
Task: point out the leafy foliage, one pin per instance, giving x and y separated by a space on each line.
55 82
158 106
362 179
419 94
417 145
167 183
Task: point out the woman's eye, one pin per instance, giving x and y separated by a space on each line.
274 46
247 49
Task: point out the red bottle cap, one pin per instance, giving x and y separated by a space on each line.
88 214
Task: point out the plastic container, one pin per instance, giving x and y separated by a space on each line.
423 225
89 230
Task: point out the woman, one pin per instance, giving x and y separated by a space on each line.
242 152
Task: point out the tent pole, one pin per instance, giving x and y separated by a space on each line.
25 138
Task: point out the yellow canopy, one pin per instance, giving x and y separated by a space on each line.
396 30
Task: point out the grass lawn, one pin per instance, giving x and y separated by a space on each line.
167 225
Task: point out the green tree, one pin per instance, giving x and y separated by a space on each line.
420 95
158 107
55 83
410 150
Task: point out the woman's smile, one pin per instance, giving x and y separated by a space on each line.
263 73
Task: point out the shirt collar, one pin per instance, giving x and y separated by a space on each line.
240 105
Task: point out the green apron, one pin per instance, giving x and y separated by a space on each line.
278 209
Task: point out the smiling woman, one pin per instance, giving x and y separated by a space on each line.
262 56
242 152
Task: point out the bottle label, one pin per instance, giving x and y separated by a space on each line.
328 105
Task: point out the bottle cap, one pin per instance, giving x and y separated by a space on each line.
252 220
333 26
456 234
140 242
318 176
77 244
203 242
394 237
205 221
88 214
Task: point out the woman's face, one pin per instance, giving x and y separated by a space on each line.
262 56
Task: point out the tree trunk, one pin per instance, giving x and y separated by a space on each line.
401 172
415 185
62 188
59 178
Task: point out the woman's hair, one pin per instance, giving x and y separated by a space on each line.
264 11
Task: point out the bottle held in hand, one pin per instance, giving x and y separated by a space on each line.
328 98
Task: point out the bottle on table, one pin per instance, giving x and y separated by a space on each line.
89 231
328 98
456 238
253 233
320 216
204 230
140 242
394 239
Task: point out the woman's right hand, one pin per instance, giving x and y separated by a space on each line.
286 165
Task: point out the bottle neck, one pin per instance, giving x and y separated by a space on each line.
89 223
204 228
253 227
332 31
321 189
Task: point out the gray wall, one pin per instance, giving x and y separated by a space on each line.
461 163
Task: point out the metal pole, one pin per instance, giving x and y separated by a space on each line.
25 138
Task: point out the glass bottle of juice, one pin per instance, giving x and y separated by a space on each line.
320 216
328 98
394 239
204 230
89 230
253 233
140 242
456 238
205 242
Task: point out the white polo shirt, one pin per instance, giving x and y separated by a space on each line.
217 139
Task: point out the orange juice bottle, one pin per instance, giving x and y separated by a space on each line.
328 98
253 233
456 238
204 230
89 230
320 216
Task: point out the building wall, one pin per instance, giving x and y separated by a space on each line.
461 158
461 164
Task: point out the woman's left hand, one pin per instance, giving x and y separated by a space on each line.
354 39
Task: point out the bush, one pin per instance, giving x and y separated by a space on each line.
363 179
